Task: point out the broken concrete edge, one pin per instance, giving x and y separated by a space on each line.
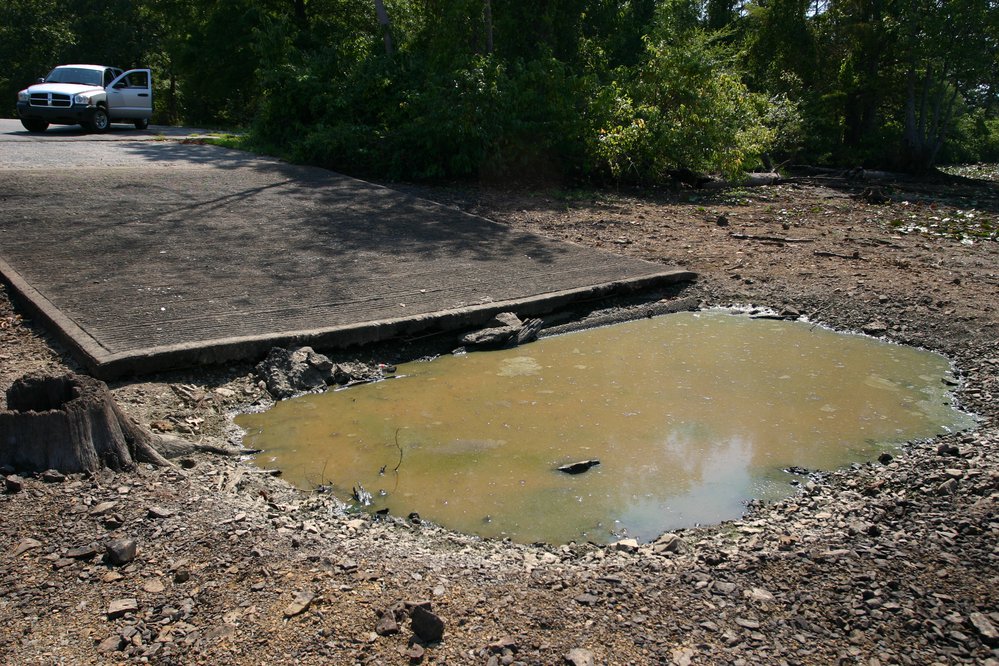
669 305
252 348
104 365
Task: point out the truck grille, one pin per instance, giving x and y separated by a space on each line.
51 100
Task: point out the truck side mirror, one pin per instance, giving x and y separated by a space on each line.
119 85
41 79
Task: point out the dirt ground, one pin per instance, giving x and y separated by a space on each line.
892 562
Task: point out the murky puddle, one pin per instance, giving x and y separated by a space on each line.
690 415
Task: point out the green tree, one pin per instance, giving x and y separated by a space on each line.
721 13
530 30
948 56
33 36
780 47
109 32
906 70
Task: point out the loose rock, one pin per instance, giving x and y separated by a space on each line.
985 629
158 513
121 607
426 625
13 484
121 551
300 604
26 544
415 653
579 657
53 476
386 625
864 565
83 552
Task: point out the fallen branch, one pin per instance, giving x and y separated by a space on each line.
747 180
770 239
398 446
823 253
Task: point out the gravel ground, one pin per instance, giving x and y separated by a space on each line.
891 562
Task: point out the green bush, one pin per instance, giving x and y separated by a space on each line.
402 118
975 139
684 108
416 115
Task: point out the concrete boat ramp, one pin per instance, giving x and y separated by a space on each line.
147 253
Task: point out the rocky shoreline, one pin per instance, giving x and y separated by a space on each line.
890 562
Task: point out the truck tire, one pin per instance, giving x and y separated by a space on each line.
99 122
34 124
142 124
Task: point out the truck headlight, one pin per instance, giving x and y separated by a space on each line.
23 96
81 99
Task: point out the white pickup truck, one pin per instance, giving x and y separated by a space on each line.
93 96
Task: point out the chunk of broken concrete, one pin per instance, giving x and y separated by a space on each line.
500 330
290 371
287 372
504 330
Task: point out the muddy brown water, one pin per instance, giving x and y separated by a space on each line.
690 416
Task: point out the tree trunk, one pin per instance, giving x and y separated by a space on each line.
383 20
70 423
172 104
300 14
925 127
487 18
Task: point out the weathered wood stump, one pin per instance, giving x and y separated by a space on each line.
874 195
70 423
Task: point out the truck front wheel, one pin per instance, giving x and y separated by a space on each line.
34 124
99 122
142 123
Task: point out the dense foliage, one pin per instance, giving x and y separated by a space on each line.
603 90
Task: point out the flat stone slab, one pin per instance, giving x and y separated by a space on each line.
149 255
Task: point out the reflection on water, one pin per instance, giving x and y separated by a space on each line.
689 414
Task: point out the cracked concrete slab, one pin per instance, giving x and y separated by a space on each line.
147 254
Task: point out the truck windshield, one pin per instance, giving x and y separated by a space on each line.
87 77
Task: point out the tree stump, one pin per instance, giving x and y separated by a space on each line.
874 195
70 423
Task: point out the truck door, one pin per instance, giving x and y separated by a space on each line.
131 94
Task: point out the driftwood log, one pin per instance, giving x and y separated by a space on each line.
702 181
747 180
578 467
71 423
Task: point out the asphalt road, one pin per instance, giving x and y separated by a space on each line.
68 146
147 252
